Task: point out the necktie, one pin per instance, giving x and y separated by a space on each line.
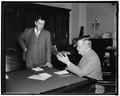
37 33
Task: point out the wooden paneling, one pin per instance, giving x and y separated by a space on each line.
19 15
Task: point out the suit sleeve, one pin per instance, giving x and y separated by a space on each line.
21 40
85 70
49 48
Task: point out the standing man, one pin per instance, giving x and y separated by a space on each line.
36 44
89 65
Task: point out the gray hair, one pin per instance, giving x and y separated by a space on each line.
86 41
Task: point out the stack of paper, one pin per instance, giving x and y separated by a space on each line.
37 69
61 72
42 76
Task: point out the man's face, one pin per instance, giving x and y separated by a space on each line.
40 24
81 47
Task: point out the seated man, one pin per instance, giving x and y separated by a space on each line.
89 65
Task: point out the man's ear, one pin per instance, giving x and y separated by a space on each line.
35 22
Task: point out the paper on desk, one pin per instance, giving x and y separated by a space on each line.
42 76
61 72
45 75
37 69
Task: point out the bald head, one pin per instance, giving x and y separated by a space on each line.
85 42
83 45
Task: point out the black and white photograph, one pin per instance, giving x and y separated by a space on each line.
59 47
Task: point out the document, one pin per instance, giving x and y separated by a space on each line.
37 69
61 72
45 75
42 76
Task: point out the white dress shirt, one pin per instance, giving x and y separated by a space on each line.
37 32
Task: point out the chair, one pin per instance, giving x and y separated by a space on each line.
13 60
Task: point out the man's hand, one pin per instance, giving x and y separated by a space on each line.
63 58
49 65
24 54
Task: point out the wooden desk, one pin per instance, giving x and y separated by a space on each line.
18 83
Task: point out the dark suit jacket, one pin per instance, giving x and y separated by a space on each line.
38 48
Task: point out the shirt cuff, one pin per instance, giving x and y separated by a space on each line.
68 64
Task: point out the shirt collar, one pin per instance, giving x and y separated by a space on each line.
35 30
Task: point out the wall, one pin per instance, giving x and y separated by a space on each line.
83 16
105 13
78 19
74 21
